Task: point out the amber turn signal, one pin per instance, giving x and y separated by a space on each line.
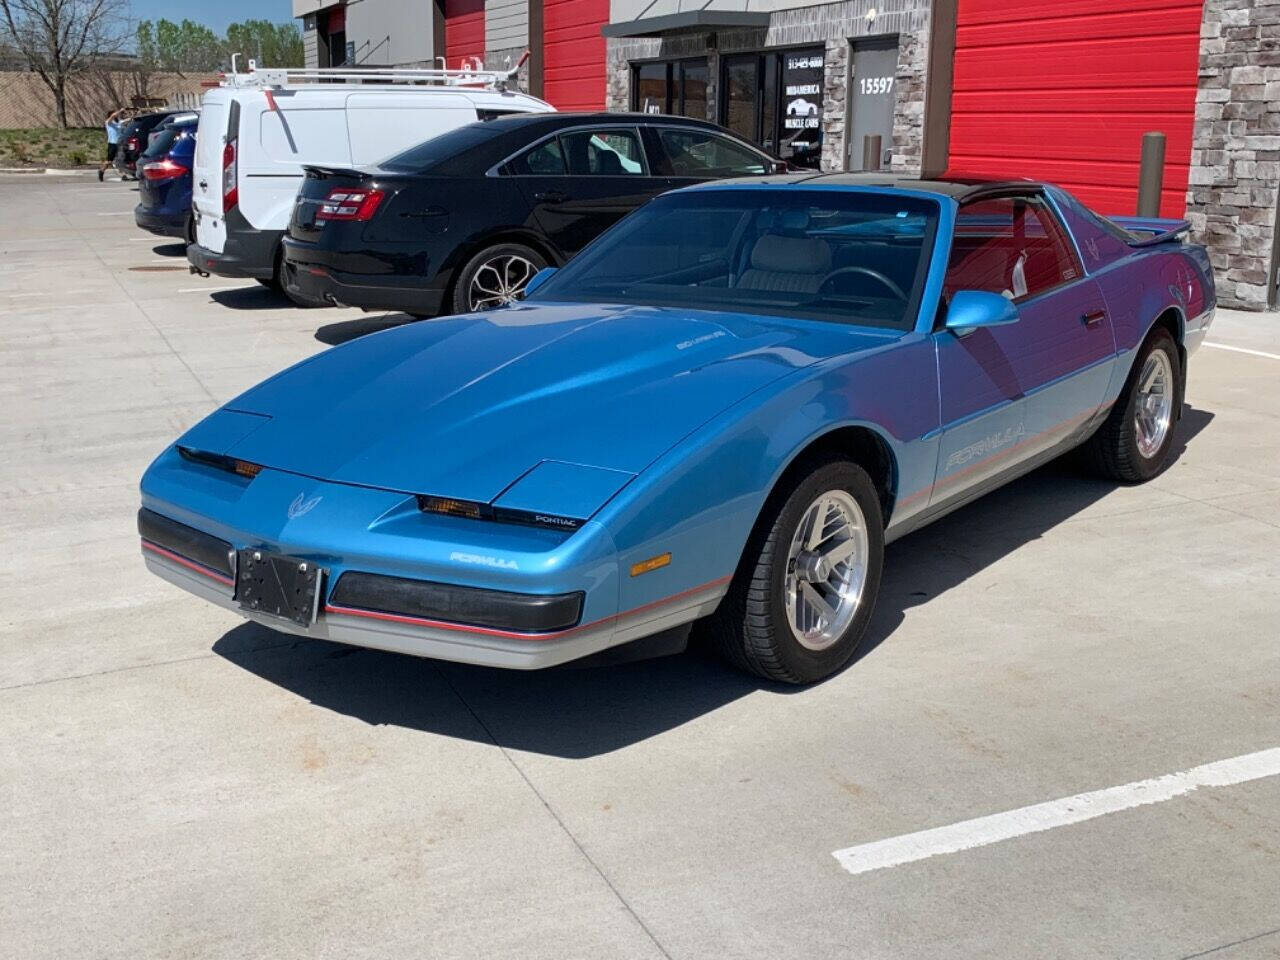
653 563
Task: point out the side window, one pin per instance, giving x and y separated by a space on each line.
696 153
1009 245
603 153
544 160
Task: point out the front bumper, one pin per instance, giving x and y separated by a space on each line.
535 598
161 224
322 283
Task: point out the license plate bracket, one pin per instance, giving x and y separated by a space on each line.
278 586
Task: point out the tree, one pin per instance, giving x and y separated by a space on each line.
271 44
188 46
59 39
192 47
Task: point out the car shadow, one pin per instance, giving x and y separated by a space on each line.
252 297
170 250
343 331
578 712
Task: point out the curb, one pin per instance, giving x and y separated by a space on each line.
51 171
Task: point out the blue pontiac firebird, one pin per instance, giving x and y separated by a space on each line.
724 408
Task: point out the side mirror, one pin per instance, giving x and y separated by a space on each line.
971 309
537 280
780 166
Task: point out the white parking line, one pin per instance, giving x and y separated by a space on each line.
209 289
1056 813
1252 353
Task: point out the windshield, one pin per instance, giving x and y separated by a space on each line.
837 256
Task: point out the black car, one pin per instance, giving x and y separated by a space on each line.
462 221
136 138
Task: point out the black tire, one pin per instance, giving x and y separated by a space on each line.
751 628
460 298
1113 450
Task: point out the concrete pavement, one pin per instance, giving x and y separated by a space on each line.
177 783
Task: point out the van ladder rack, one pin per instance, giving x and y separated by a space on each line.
279 77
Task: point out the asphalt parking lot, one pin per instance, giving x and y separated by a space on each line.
177 783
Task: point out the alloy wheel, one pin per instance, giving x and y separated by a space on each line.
1153 412
826 570
499 281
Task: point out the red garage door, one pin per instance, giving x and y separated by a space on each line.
1062 90
573 47
463 31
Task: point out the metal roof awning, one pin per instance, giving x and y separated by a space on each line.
686 22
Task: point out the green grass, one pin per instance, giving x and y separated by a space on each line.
43 147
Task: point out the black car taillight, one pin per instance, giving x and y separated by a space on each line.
131 144
343 203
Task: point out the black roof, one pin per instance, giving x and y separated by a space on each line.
947 186
553 121
958 187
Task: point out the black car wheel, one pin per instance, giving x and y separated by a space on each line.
495 277
807 585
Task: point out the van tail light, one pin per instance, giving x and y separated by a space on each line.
230 183
344 203
165 169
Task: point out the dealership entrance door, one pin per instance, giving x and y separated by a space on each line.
871 98
775 99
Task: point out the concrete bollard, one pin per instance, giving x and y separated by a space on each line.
1151 174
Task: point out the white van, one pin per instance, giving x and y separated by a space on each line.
258 129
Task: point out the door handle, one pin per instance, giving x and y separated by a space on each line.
428 212
204 184
1093 317
551 196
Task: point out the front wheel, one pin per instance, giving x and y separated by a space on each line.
807 585
495 277
1134 442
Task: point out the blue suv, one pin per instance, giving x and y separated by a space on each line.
164 182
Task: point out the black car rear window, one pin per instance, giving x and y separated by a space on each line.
439 149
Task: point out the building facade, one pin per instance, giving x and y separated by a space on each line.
1060 90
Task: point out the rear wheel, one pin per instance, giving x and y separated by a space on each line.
1134 442
495 277
807 585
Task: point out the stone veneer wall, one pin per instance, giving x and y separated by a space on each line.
1235 152
834 25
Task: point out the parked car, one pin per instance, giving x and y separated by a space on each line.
136 138
463 221
259 129
725 408
164 185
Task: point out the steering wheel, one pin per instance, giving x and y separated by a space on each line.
873 274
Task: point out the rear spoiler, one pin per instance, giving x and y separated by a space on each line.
1148 231
313 172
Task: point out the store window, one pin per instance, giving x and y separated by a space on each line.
775 99
676 87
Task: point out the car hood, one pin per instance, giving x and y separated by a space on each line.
462 407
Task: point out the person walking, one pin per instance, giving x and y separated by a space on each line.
115 126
